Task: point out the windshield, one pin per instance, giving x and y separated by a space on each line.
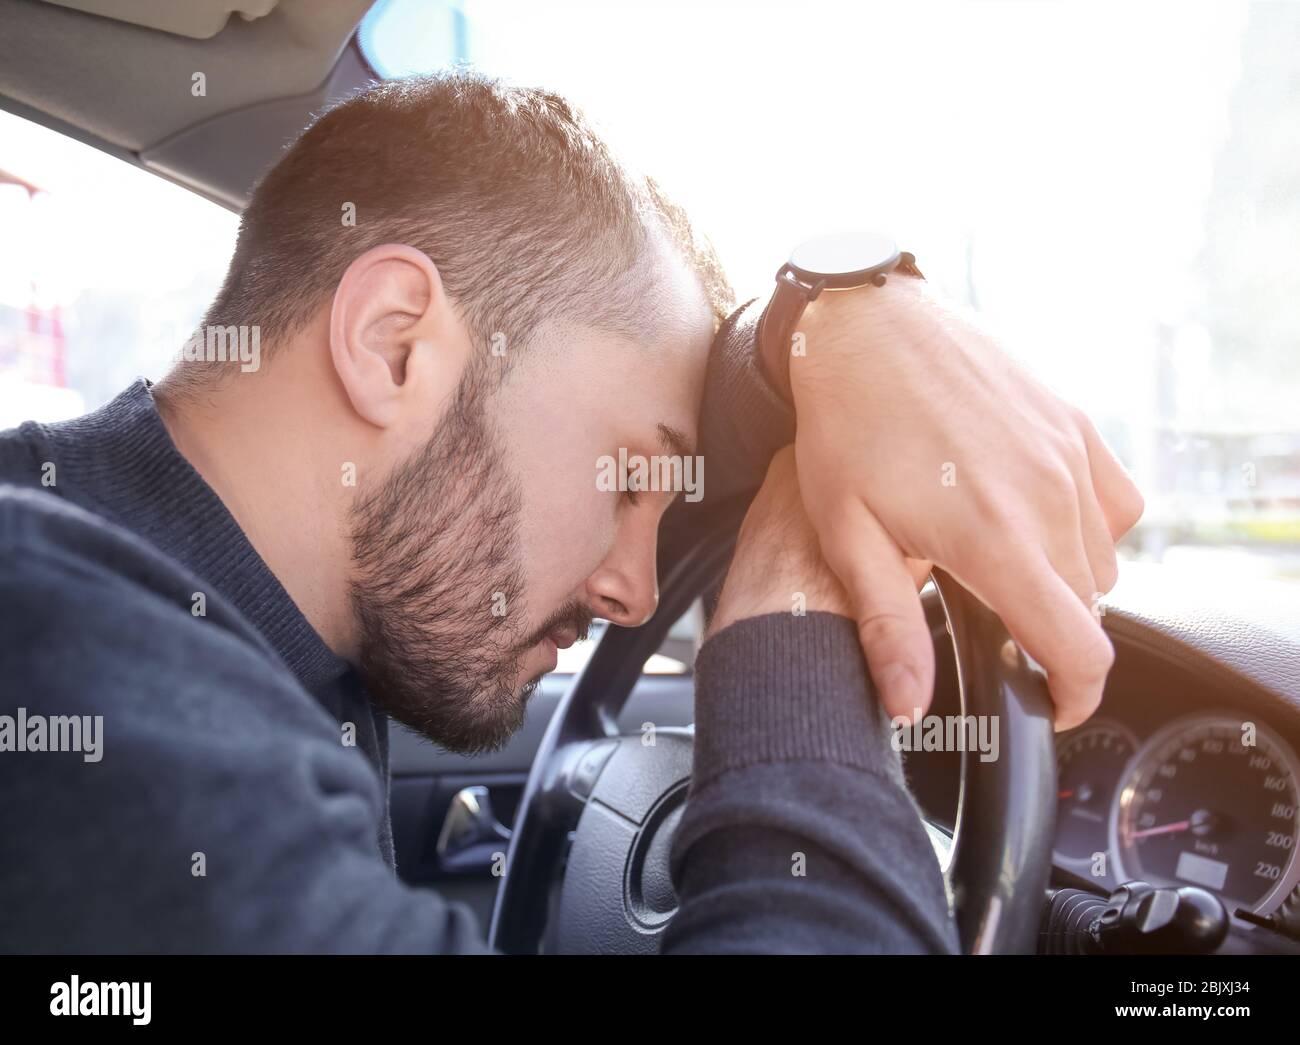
1111 188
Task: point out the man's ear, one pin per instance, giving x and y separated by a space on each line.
396 342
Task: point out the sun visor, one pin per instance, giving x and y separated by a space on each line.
197 19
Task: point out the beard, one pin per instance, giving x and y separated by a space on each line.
438 591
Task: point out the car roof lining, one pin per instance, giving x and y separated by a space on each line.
130 89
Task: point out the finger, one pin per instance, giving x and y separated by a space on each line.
1046 617
891 622
1061 539
1098 542
1118 496
1067 550
920 571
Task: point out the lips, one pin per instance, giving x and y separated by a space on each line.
564 636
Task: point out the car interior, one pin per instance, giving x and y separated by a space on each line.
1186 779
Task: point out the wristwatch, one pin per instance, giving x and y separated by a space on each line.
839 261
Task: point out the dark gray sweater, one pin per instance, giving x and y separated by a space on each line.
222 812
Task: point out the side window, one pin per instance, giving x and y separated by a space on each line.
104 272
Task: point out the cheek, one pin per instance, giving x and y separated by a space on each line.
567 530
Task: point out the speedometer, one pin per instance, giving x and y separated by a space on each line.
1211 800
1090 767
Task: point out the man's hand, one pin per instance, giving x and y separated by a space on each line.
778 566
918 439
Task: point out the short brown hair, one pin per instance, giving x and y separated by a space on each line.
508 190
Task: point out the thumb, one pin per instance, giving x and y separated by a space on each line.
881 583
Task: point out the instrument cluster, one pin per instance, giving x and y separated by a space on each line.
1207 798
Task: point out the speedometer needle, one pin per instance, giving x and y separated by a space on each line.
1163 829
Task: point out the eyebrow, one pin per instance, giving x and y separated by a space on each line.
675 441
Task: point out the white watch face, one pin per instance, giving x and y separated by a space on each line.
843 252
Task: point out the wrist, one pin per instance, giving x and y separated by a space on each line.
822 290
790 583
862 320
840 315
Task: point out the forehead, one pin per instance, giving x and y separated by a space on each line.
651 382
625 373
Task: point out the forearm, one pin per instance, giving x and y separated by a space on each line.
743 422
800 834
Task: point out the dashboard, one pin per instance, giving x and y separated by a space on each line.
1204 798
1187 774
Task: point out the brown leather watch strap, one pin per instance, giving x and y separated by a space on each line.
907 265
776 329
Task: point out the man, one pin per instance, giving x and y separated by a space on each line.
244 573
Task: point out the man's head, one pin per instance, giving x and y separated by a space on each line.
464 304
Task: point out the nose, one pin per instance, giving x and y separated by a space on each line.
624 589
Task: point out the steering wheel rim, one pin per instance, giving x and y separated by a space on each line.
1006 809
1000 859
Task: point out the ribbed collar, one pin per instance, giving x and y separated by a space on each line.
121 463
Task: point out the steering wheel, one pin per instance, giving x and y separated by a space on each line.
587 866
